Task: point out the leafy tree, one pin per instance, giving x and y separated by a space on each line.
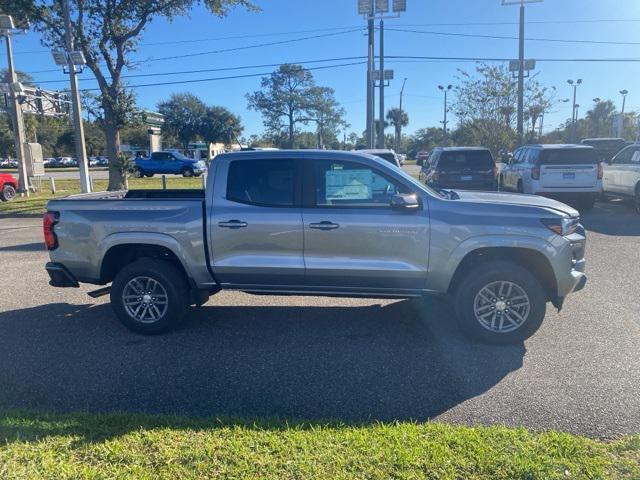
220 125
425 139
283 100
107 32
183 114
398 119
326 112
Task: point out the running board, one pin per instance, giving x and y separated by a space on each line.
101 292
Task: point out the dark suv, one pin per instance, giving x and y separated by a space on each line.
463 168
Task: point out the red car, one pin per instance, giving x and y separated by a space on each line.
8 187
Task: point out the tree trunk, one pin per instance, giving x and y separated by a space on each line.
290 130
117 175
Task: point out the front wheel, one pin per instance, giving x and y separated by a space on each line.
137 173
500 303
150 296
8 193
187 172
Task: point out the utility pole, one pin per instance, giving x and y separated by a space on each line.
399 128
78 127
445 131
521 78
370 89
381 101
6 29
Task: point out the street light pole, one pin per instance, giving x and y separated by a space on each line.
624 100
17 120
81 151
381 101
521 78
370 88
574 112
444 121
404 82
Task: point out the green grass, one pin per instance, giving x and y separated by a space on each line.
37 446
37 202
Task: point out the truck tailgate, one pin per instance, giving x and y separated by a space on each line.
568 176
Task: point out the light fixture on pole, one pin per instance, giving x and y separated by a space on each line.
624 94
13 92
444 121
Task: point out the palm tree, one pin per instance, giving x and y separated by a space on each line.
398 118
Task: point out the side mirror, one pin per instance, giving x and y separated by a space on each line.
405 202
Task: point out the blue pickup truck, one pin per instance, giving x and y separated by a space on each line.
168 163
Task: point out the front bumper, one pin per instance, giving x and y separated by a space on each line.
60 277
574 279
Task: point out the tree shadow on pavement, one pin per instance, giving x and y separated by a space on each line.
354 364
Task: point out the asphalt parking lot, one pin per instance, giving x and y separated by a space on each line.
326 358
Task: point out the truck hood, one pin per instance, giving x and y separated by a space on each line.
506 198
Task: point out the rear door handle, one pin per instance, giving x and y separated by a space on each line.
324 225
233 224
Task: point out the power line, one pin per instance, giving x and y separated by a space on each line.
218 69
231 77
505 37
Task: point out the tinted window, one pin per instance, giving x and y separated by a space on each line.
159 156
467 160
624 156
349 184
261 182
569 156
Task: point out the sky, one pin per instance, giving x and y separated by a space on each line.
340 34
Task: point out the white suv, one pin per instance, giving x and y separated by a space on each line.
622 175
567 172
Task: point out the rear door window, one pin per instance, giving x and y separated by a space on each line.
480 160
267 183
575 156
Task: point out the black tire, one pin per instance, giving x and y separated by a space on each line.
149 175
8 193
486 274
187 172
137 173
172 280
636 200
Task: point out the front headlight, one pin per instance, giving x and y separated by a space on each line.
562 226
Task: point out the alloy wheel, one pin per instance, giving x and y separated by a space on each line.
145 299
501 307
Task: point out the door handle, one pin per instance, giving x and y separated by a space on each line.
233 224
324 225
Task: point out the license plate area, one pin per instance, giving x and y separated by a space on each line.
568 176
466 178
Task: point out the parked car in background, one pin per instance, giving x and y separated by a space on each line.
606 148
102 161
421 158
571 173
466 168
387 155
8 187
621 176
362 228
168 162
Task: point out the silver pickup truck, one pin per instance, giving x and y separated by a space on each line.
319 223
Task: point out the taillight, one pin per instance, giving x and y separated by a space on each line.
600 171
48 222
535 173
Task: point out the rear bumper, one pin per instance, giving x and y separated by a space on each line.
60 277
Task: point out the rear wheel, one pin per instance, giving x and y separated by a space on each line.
8 193
150 296
500 303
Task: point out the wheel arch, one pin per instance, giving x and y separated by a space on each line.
530 258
